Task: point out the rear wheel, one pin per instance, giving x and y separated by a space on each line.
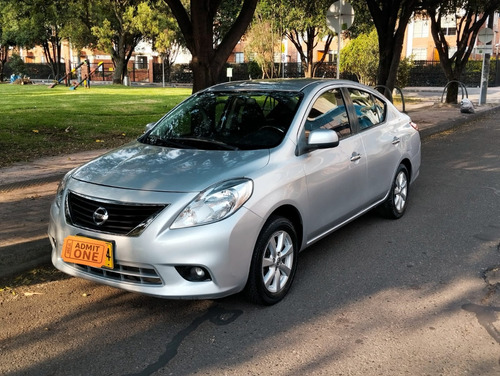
274 262
395 204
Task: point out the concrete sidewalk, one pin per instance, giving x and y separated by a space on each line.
27 189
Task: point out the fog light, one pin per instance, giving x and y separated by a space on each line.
197 273
194 273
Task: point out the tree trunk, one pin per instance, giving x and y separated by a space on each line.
118 72
3 60
391 19
56 45
310 36
121 58
469 26
320 62
208 60
204 75
390 51
308 71
452 92
448 65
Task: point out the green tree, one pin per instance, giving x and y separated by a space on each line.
262 40
117 26
390 19
305 23
17 65
363 23
39 22
210 50
6 38
470 16
78 27
121 25
168 39
4 49
360 57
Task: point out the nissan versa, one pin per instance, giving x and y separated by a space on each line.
221 194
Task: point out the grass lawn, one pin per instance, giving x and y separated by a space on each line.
36 121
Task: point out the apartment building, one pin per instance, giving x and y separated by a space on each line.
419 44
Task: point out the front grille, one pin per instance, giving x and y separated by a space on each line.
122 218
123 273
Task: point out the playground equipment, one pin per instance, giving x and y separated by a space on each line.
68 74
87 77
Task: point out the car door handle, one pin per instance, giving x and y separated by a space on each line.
355 157
396 140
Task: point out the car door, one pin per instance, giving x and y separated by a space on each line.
380 141
335 177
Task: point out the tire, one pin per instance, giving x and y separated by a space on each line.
395 205
274 262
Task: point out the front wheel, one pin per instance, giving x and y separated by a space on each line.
395 205
274 262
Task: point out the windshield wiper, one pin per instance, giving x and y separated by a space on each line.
219 145
158 141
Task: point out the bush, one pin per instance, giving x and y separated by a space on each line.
404 70
254 69
360 58
17 65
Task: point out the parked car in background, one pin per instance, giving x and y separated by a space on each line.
222 193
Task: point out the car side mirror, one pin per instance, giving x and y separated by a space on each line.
322 139
317 139
148 127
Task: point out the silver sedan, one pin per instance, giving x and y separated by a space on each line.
222 193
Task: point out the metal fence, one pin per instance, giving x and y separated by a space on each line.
423 73
103 72
430 73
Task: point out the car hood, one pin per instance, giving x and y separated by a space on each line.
155 168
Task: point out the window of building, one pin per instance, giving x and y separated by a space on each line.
421 29
141 62
451 51
450 31
419 53
449 25
239 57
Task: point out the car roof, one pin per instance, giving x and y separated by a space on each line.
284 84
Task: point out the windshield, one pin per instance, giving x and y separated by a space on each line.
227 121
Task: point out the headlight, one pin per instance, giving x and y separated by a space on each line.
215 203
62 187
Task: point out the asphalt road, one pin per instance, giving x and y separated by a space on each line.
415 296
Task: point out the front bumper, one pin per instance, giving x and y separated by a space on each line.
149 263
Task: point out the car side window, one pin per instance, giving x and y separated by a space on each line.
329 112
369 109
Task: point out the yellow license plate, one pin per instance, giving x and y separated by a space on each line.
87 251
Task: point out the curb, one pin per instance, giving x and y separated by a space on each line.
57 177
455 123
34 254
